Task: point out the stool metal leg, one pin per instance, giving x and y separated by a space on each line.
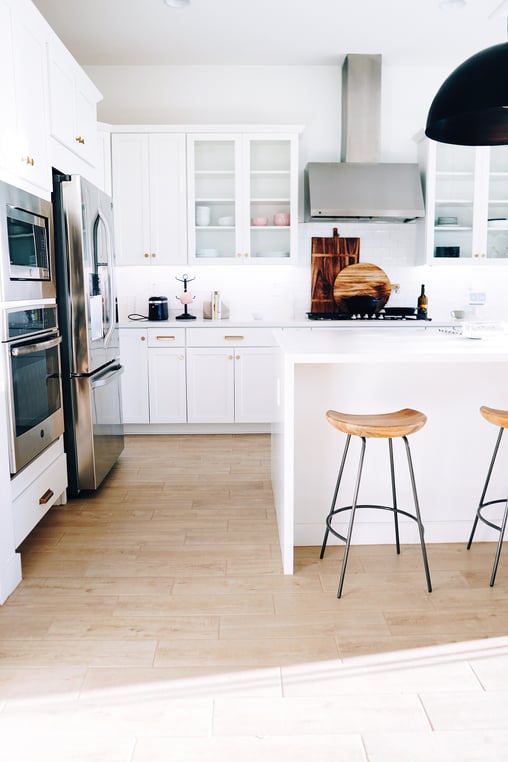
418 517
351 519
487 480
394 496
336 492
499 545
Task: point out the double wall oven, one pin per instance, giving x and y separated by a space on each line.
29 333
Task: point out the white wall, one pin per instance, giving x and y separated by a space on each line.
310 96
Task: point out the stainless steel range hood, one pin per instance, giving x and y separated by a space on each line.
360 187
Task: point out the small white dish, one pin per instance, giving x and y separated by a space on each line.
226 221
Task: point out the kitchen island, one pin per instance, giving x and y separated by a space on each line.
377 369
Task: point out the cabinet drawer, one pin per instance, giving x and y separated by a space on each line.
36 500
230 336
166 337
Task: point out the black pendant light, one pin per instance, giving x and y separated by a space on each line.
471 106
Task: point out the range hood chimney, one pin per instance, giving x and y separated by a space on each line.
360 187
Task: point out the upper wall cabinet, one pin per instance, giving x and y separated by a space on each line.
466 190
242 197
23 92
149 198
73 102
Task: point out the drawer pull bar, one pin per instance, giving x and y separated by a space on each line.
234 338
46 497
169 338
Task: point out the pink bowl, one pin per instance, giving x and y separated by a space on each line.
259 221
281 218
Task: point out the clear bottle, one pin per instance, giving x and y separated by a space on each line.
422 304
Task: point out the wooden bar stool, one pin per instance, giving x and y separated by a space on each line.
383 426
498 418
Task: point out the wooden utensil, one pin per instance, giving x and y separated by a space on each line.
329 257
361 279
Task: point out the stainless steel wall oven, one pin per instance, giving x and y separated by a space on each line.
31 357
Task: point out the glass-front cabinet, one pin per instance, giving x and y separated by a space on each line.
242 197
466 190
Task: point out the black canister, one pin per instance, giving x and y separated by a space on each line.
158 308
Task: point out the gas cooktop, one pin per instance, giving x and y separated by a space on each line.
382 315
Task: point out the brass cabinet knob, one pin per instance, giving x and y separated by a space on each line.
154 254
143 338
146 255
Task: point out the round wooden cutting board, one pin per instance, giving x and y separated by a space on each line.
362 279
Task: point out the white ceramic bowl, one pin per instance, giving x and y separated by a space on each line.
226 221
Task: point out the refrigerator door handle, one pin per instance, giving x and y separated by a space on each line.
106 378
109 298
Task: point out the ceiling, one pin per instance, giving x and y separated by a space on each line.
273 32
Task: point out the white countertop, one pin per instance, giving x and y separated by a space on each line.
294 323
382 344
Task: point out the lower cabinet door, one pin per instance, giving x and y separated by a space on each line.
210 385
166 385
255 384
134 358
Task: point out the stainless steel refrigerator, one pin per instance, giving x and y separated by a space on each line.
91 369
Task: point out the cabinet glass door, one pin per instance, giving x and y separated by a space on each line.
270 198
454 205
214 197
497 218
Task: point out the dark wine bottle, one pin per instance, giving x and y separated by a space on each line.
421 311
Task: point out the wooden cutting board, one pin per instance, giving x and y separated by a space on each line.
329 257
362 279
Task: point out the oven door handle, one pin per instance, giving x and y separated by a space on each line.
40 346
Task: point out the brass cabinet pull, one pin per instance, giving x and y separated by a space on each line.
237 357
234 338
46 497
79 139
165 338
143 338
230 357
154 254
28 160
146 254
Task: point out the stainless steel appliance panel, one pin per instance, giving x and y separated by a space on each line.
33 382
27 266
98 426
84 246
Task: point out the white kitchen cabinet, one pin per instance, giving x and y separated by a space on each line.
38 487
466 195
242 197
231 376
210 385
73 102
23 90
255 384
149 198
134 358
166 375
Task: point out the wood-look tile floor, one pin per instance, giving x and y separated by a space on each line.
154 623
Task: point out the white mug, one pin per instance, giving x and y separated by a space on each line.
202 215
458 314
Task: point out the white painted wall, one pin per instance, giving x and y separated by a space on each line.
308 95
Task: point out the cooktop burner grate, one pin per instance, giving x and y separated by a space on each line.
342 316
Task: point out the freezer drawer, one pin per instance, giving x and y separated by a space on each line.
98 428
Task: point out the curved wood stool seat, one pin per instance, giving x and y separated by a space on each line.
497 418
398 424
